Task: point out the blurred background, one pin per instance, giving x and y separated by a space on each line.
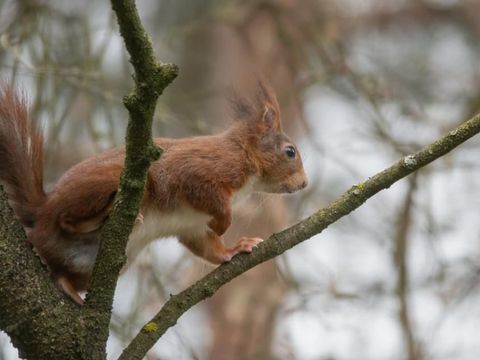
360 84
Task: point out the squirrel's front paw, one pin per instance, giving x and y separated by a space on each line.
243 245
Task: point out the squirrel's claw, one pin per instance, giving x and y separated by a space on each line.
243 245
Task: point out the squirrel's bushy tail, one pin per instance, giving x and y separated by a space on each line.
21 157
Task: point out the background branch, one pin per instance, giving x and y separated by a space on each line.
280 242
400 257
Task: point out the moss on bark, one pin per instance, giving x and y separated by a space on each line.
40 321
151 78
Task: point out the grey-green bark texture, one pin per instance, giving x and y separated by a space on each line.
43 324
151 78
40 321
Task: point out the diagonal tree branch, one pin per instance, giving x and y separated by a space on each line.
280 242
151 78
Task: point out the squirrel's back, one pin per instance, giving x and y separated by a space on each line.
21 157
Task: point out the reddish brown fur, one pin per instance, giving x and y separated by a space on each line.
202 173
21 157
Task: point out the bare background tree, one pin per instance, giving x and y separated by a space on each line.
360 84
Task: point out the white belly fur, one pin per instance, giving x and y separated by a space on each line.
181 222
184 221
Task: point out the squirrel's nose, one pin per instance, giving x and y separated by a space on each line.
304 184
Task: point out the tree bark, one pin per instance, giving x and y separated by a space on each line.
41 322
151 78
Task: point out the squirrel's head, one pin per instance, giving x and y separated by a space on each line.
277 160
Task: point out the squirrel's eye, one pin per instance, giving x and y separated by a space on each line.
290 151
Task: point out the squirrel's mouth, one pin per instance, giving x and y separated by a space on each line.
291 189
295 184
285 188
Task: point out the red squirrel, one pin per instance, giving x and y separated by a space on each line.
189 192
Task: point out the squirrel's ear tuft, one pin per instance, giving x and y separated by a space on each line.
270 119
264 93
242 108
266 100
261 109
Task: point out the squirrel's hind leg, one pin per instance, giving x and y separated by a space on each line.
67 287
